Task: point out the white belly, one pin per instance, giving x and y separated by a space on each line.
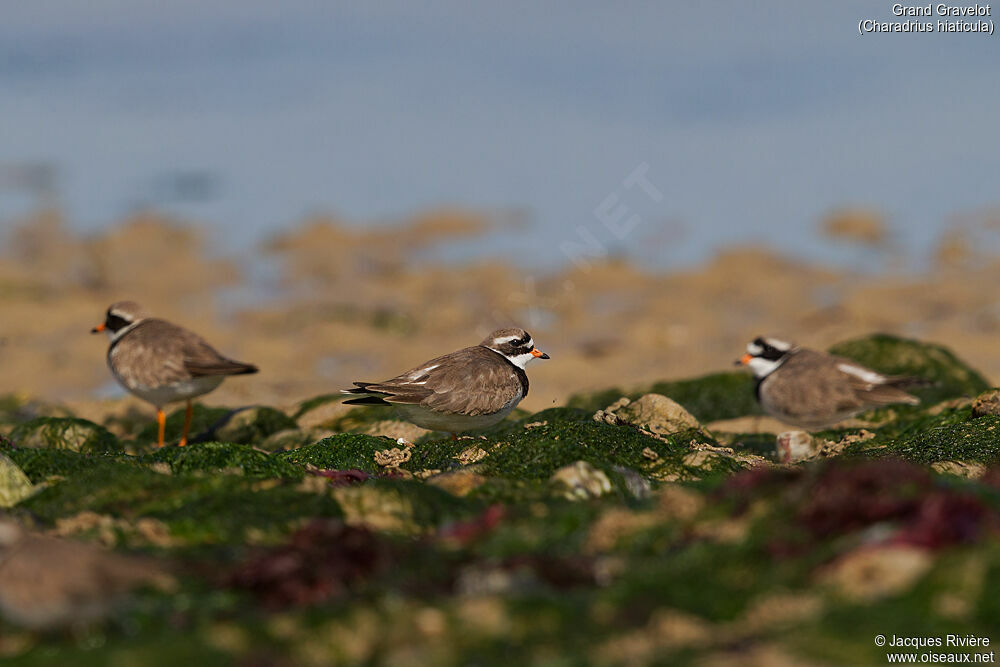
437 421
179 391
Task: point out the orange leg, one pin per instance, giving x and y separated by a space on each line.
187 425
453 436
161 419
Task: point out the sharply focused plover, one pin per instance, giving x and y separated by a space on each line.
471 389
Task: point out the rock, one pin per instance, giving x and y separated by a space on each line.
471 455
868 574
78 435
637 485
795 446
14 484
457 482
82 581
291 438
987 403
376 508
253 425
678 502
960 469
321 410
581 481
395 429
653 412
391 458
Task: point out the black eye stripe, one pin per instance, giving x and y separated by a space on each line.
114 322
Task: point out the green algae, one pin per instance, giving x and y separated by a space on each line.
41 464
224 456
708 398
528 585
534 448
199 509
65 433
340 452
949 436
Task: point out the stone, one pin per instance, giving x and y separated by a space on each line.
581 481
78 435
987 403
457 482
391 458
872 573
395 429
795 446
653 412
14 484
291 438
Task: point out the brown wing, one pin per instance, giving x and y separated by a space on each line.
157 352
818 384
472 381
873 388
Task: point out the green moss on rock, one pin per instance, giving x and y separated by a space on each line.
41 464
78 435
340 452
252 425
198 509
708 398
223 456
534 448
949 436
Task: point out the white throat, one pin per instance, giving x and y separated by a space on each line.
762 367
520 360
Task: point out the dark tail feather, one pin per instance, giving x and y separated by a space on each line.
221 367
365 397
910 382
367 400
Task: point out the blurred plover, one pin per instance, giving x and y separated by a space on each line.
812 390
161 362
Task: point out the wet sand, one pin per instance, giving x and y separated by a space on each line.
348 303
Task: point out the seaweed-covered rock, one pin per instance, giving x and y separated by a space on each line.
653 412
795 446
580 481
14 484
987 403
224 457
947 375
17 408
341 452
251 425
291 438
78 435
707 398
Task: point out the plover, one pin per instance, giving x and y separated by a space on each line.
812 390
471 389
161 362
47 582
